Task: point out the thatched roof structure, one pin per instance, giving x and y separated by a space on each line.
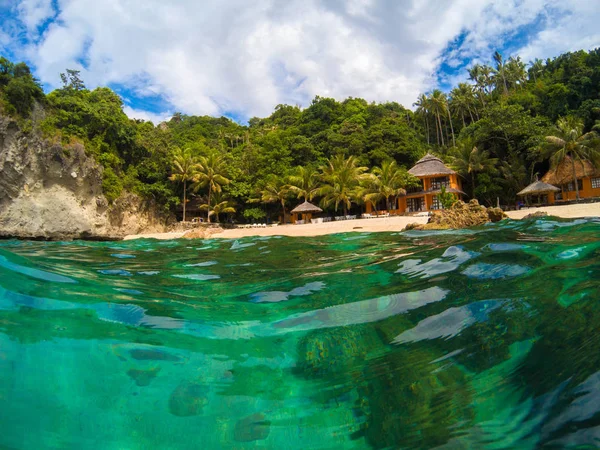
430 165
538 187
306 208
435 191
563 173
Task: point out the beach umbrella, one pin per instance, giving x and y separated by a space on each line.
538 187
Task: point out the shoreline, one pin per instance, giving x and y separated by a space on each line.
374 225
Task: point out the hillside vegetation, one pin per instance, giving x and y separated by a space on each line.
491 129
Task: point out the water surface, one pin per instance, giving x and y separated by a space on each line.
483 338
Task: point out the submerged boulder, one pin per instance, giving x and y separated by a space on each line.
202 232
143 377
188 399
535 215
331 351
252 428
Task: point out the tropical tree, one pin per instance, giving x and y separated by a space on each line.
219 206
422 110
569 142
342 182
468 161
305 182
388 181
276 190
438 105
515 72
462 102
536 68
482 77
211 171
500 72
184 169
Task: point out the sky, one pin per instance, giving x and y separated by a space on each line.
241 58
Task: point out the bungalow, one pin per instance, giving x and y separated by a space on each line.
433 174
588 180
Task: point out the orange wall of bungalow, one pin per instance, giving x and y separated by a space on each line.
586 190
427 199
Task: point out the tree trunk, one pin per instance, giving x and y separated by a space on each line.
184 197
427 128
437 131
575 178
463 119
283 207
208 211
441 129
452 128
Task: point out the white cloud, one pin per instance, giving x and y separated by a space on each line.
244 57
146 115
34 12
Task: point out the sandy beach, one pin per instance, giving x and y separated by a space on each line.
371 225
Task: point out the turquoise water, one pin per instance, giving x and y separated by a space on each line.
483 338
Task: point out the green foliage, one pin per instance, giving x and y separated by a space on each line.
447 199
504 112
254 213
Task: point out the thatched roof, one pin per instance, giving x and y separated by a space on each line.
430 165
305 208
435 192
563 173
538 187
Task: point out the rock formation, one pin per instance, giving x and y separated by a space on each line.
51 191
460 215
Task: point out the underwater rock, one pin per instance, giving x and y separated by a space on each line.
407 403
188 399
252 428
143 377
152 355
335 350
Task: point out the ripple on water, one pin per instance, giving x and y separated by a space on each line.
484 271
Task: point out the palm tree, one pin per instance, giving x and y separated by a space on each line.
276 190
342 178
422 110
305 182
219 206
184 167
438 105
468 160
515 71
482 76
569 142
387 181
462 102
211 172
536 68
500 71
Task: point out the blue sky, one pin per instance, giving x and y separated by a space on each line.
241 59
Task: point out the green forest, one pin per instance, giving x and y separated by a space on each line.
498 130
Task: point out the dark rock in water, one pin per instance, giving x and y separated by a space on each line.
535 215
252 428
143 377
188 399
334 351
152 355
495 214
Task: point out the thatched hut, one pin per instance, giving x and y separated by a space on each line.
306 210
543 191
587 175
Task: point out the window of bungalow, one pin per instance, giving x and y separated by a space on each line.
438 182
414 189
414 204
595 183
436 204
571 186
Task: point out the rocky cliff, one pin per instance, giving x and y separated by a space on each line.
51 191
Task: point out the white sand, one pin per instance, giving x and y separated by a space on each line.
319 229
565 211
371 225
